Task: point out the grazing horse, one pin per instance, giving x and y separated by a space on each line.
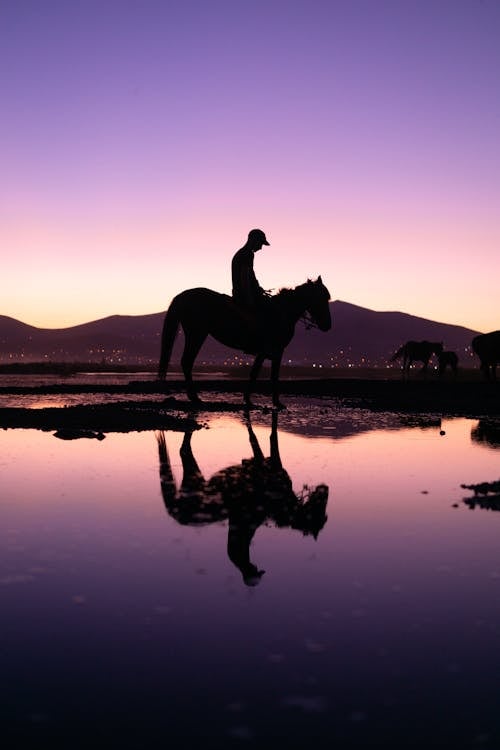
417 351
487 348
255 492
448 359
203 312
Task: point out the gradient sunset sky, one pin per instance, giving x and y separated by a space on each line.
142 140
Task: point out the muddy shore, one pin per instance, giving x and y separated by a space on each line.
153 405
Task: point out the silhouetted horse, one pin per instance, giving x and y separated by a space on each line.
202 312
248 495
448 359
487 348
417 351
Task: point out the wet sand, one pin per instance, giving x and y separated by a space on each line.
146 405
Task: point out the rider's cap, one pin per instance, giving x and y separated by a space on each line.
257 235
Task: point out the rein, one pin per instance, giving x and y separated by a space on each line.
308 322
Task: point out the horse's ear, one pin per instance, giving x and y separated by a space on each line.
319 280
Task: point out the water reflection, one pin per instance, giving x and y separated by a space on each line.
328 418
117 620
66 433
486 433
486 495
421 421
254 492
486 502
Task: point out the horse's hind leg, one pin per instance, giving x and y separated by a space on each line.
259 359
192 346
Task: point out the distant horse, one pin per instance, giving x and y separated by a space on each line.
248 495
487 348
203 312
417 351
448 359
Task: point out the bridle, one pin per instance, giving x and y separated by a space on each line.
308 321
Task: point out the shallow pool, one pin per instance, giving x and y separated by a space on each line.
318 578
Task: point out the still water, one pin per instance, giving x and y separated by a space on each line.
317 582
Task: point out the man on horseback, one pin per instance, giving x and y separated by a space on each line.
249 297
247 291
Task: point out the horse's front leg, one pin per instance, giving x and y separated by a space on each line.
259 359
275 374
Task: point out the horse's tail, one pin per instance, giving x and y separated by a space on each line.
399 353
170 328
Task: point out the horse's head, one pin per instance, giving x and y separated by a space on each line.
317 304
310 515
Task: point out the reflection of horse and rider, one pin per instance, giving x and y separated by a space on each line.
251 320
255 492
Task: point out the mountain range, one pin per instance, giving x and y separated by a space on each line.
358 337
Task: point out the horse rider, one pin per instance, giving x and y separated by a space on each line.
247 291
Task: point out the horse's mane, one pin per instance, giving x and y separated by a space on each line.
285 291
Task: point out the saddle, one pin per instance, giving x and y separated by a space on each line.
257 322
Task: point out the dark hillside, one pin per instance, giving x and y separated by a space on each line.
358 337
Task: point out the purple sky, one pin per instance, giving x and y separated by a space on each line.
142 140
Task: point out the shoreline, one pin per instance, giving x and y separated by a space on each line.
475 400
